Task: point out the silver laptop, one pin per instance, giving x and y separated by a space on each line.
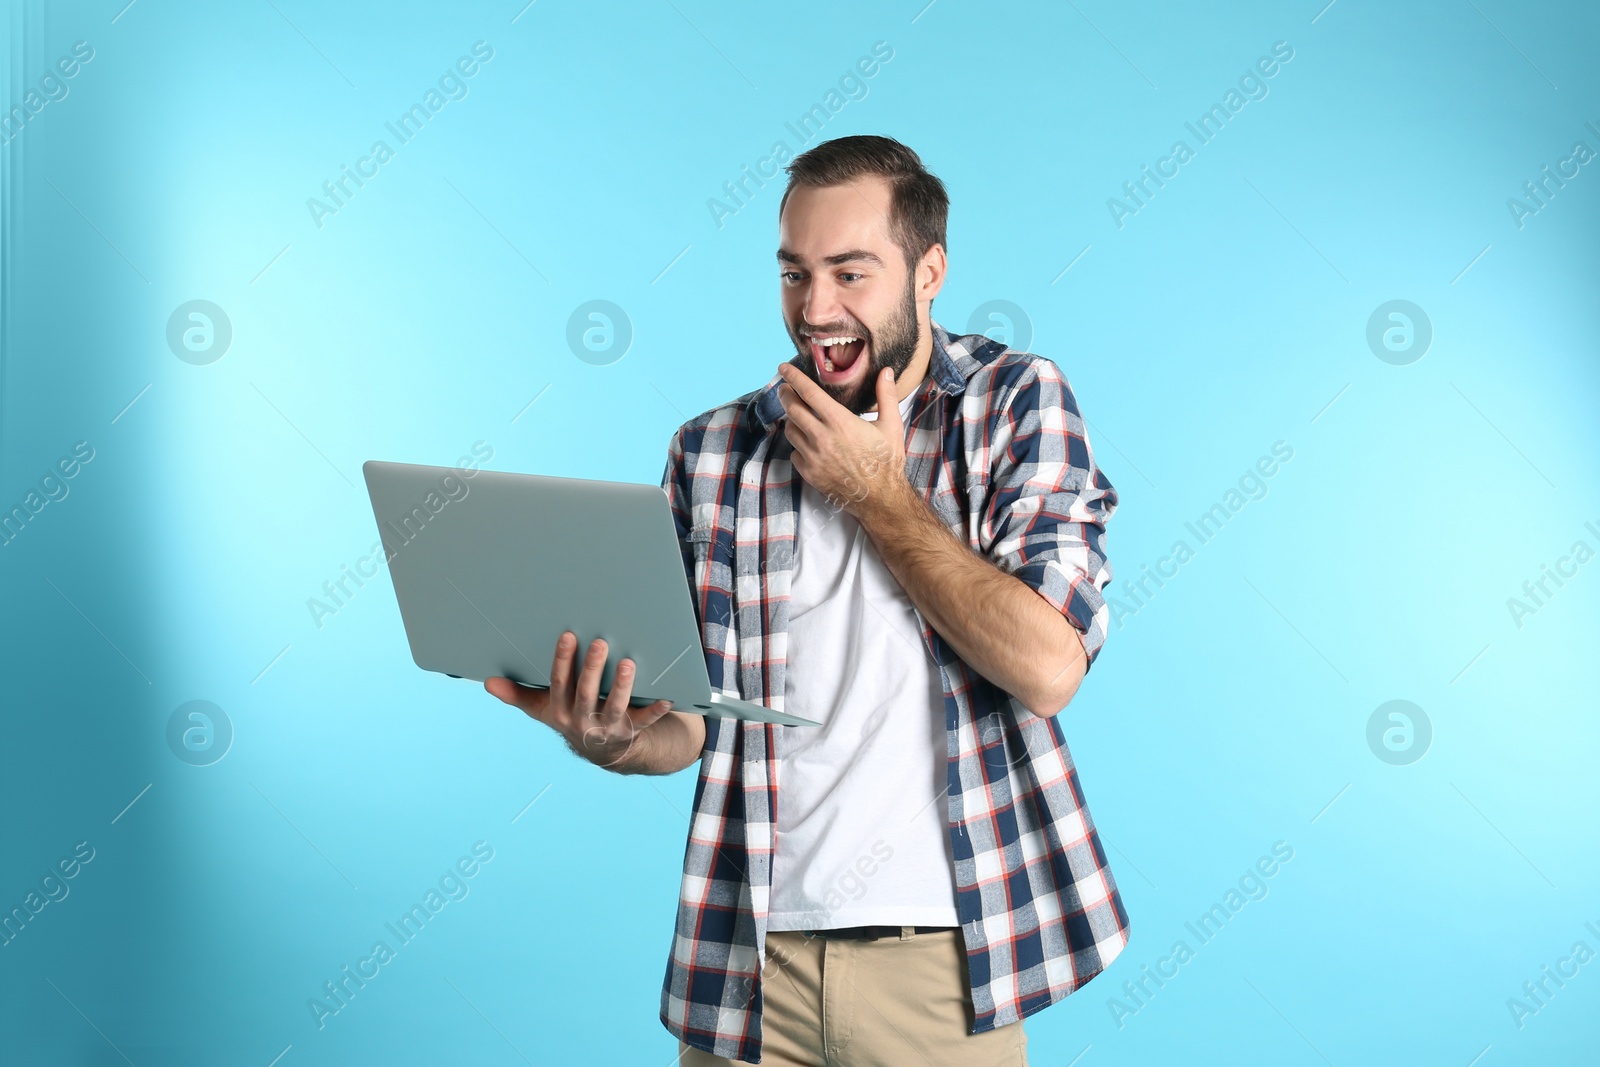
490 567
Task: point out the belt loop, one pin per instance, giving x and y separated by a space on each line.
907 933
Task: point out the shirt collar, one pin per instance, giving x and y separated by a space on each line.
943 373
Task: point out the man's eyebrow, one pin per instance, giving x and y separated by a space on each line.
855 255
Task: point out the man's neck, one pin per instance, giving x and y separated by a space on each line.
917 369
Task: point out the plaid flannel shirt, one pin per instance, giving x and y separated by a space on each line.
996 445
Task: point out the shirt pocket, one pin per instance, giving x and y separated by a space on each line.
958 501
713 560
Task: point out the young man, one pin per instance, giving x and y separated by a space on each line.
900 536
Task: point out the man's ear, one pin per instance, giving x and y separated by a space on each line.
930 273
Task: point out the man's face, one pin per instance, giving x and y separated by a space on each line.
849 300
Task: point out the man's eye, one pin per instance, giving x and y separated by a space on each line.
790 276
848 277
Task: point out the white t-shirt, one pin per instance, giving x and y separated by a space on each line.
861 831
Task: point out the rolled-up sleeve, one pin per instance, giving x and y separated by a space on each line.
1048 503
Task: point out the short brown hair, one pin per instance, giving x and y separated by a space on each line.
918 203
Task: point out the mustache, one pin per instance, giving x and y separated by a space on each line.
854 329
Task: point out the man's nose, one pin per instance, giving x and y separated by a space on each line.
822 304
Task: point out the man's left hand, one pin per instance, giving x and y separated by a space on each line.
855 463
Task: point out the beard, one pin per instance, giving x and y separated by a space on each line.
892 345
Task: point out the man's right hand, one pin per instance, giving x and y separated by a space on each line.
602 732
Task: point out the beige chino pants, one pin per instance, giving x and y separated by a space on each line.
894 1002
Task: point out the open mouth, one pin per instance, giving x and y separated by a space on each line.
835 356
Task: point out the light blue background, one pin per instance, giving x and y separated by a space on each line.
1230 313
